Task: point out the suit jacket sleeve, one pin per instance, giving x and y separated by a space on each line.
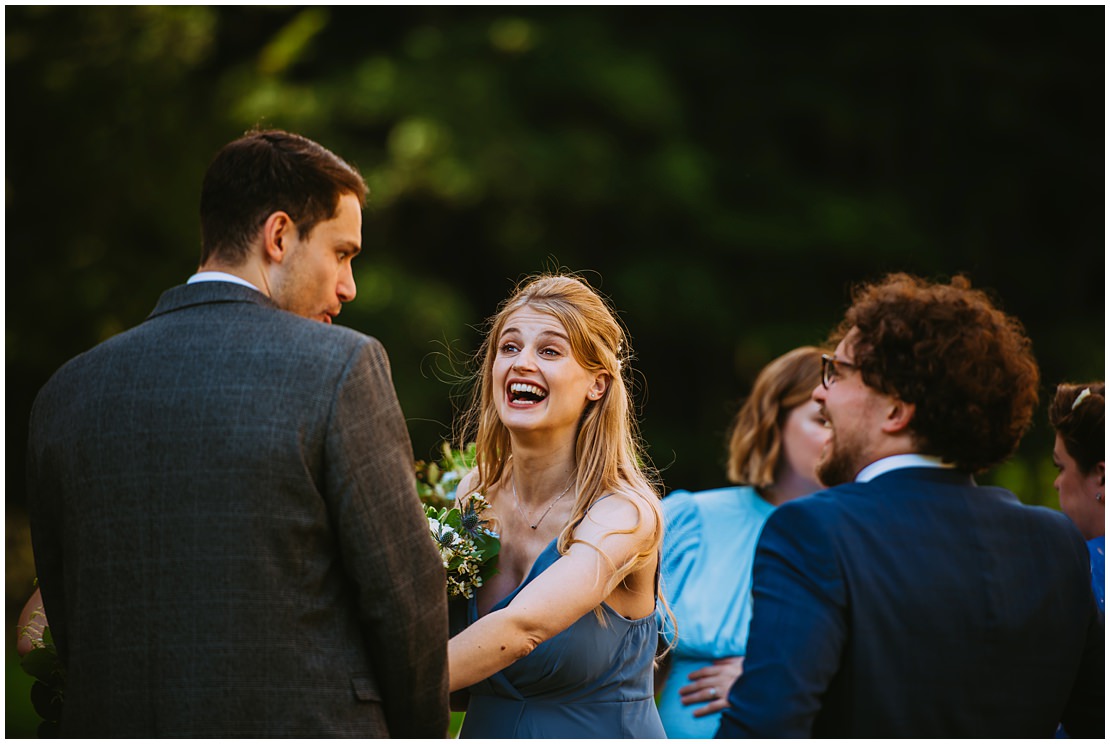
797 633
1085 715
387 551
44 507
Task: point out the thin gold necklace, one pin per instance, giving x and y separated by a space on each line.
545 511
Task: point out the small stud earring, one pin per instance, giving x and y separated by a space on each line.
1098 496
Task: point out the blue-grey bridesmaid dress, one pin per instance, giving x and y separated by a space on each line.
590 681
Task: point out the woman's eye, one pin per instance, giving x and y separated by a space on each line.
508 348
550 352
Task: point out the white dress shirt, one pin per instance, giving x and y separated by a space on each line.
220 276
897 462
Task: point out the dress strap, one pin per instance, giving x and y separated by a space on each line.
600 499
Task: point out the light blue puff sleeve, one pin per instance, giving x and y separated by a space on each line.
681 533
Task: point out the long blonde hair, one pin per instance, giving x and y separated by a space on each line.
609 456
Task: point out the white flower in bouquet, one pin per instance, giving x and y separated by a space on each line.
466 545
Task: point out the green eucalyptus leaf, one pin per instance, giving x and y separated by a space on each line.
46 701
41 663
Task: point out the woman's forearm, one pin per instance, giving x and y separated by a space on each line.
488 646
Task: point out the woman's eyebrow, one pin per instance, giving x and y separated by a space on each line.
541 335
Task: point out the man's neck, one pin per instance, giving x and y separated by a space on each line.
219 276
248 272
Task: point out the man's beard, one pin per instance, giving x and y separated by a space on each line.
837 464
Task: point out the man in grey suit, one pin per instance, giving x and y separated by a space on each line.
226 530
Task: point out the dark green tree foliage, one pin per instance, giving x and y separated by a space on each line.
724 174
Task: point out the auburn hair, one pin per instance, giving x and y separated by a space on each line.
755 440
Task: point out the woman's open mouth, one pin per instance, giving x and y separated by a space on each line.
526 394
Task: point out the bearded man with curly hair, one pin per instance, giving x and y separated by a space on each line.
906 600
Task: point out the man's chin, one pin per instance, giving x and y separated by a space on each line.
834 471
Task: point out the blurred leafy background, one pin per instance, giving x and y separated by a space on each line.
723 174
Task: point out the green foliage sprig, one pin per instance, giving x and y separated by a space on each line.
436 481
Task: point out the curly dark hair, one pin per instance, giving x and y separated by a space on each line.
1080 422
966 366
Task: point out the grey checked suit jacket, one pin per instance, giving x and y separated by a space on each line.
227 533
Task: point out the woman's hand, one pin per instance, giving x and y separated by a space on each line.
710 685
31 623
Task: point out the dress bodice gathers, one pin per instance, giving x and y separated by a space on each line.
592 680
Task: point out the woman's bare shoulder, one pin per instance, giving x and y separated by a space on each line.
625 510
467 485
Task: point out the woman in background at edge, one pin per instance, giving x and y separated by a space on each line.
561 641
711 536
1077 413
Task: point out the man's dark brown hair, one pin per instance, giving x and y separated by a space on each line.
264 172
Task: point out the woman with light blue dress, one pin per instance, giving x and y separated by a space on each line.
710 538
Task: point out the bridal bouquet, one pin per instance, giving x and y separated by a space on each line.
466 545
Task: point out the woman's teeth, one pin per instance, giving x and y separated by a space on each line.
520 392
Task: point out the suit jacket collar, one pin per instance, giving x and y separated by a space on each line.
202 293
949 476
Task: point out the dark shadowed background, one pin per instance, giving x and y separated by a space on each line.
724 175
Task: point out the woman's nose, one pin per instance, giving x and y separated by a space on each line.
525 360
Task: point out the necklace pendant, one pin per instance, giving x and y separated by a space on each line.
545 511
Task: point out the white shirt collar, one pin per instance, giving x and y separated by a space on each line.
219 276
897 462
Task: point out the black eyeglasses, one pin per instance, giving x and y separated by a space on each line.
829 369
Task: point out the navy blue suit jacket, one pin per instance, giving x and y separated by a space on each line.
919 605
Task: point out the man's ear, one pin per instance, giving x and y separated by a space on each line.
898 416
275 233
